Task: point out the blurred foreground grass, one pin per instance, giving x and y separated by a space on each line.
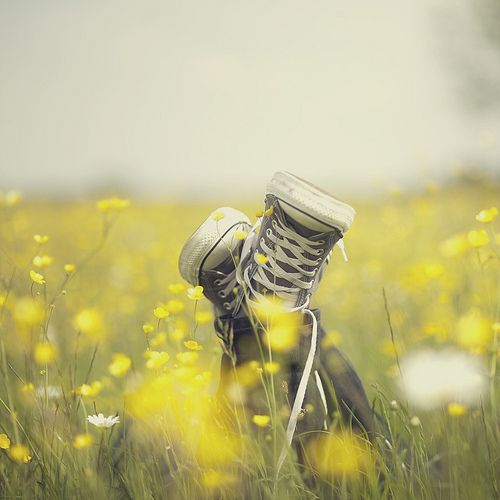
95 318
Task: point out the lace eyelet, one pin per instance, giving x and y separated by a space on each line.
269 231
226 306
321 251
221 294
217 282
274 223
262 241
321 242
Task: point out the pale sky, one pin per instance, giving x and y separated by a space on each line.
198 97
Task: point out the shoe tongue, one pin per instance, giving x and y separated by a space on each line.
303 223
307 232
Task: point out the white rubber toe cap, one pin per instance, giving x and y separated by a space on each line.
211 243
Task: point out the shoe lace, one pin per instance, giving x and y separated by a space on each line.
301 392
300 278
229 280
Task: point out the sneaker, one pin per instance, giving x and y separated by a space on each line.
209 257
299 229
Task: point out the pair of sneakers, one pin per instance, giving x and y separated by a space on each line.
284 255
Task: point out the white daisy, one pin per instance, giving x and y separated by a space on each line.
103 422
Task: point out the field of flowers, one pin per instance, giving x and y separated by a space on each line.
95 319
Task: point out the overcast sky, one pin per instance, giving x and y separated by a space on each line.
189 97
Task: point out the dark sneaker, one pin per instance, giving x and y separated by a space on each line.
210 256
299 229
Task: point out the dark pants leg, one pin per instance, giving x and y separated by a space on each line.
342 387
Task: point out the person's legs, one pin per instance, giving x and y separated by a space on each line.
287 257
339 386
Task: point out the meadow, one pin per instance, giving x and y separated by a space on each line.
94 318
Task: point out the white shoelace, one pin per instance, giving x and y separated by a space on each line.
300 279
301 393
230 281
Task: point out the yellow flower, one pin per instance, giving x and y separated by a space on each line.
187 357
218 216
195 293
283 334
176 288
4 442
119 365
113 203
487 215
37 278
282 326
338 454
159 339
45 353
82 441
272 367
177 334
193 345
89 321
13 198
42 261
69 268
389 348
27 312
457 409
261 259
261 420
203 317
454 246
27 388
41 239
269 211
259 213
474 330
156 359
433 270
175 306
20 453
90 390
478 238
148 328
160 312
203 378
240 235
268 308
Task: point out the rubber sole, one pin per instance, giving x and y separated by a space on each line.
311 200
205 240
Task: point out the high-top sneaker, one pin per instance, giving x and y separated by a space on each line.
210 256
299 228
